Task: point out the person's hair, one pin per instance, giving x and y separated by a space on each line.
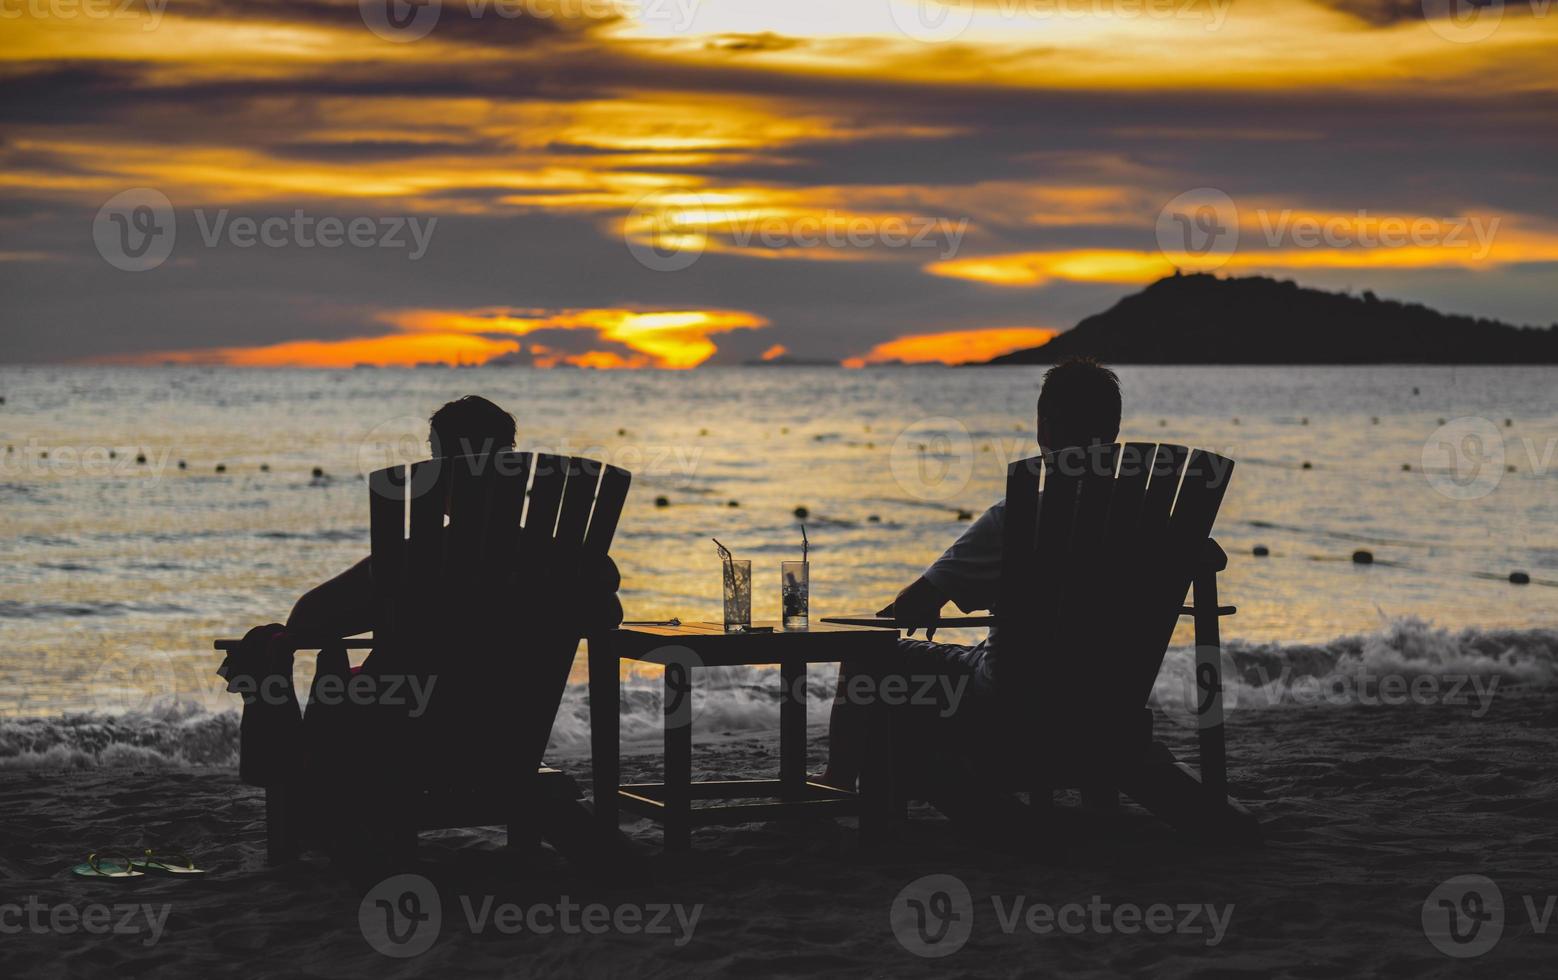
471 426
1080 399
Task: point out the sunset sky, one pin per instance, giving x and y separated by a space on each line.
669 183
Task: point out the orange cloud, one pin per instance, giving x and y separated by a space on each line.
656 338
954 346
775 352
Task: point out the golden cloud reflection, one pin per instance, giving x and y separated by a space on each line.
954 346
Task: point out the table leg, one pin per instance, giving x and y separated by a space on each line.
876 775
605 727
792 730
678 756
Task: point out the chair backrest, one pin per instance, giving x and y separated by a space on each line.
485 608
1095 569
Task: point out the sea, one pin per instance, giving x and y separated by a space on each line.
1406 519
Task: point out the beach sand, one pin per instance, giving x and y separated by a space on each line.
1367 810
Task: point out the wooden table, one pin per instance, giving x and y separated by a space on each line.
684 648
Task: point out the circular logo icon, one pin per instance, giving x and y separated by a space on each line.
1463 21
392 444
1186 691
134 230
933 459
1464 917
400 21
401 916
1464 458
933 916
683 700
666 231
1199 229
127 682
931 20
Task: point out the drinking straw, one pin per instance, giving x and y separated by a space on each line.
804 544
724 552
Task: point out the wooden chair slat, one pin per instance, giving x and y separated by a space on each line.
609 499
1130 487
1018 570
387 534
578 498
1168 466
546 495
472 479
511 474
425 548
1095 494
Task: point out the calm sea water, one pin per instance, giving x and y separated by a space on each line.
115 575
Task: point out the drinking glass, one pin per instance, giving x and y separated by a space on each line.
738 595
793 593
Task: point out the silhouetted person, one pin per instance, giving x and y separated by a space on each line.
1079 405
343 606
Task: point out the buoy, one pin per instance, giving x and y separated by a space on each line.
1414 391
622 432
1162 423
965 515
784 430
732 503
1508 423
44 454
1361 557
1235 421
1519 578
662 501
319 472
1406 467
1307 465
1441 421
1304 420
801 513
1374 420
703 432
1260 551
221 467
140 458
112 454
874 519
1510 468
264 467
183 465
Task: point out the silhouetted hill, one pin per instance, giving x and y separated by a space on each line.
1201 319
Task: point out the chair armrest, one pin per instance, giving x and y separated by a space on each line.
1221 610
305 642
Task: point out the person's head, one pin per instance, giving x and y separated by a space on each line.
1079 405
470 426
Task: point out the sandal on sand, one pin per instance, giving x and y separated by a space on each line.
103 866
168 863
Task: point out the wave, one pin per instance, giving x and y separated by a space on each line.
746 699
10 609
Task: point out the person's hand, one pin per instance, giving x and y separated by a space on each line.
917 606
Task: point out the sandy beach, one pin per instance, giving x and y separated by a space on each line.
1366 810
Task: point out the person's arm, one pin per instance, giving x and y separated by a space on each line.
342 606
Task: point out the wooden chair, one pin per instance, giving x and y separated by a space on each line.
485 612
1094 576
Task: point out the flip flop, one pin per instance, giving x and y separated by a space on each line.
105 866
168 863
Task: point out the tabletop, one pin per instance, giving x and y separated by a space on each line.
819 643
